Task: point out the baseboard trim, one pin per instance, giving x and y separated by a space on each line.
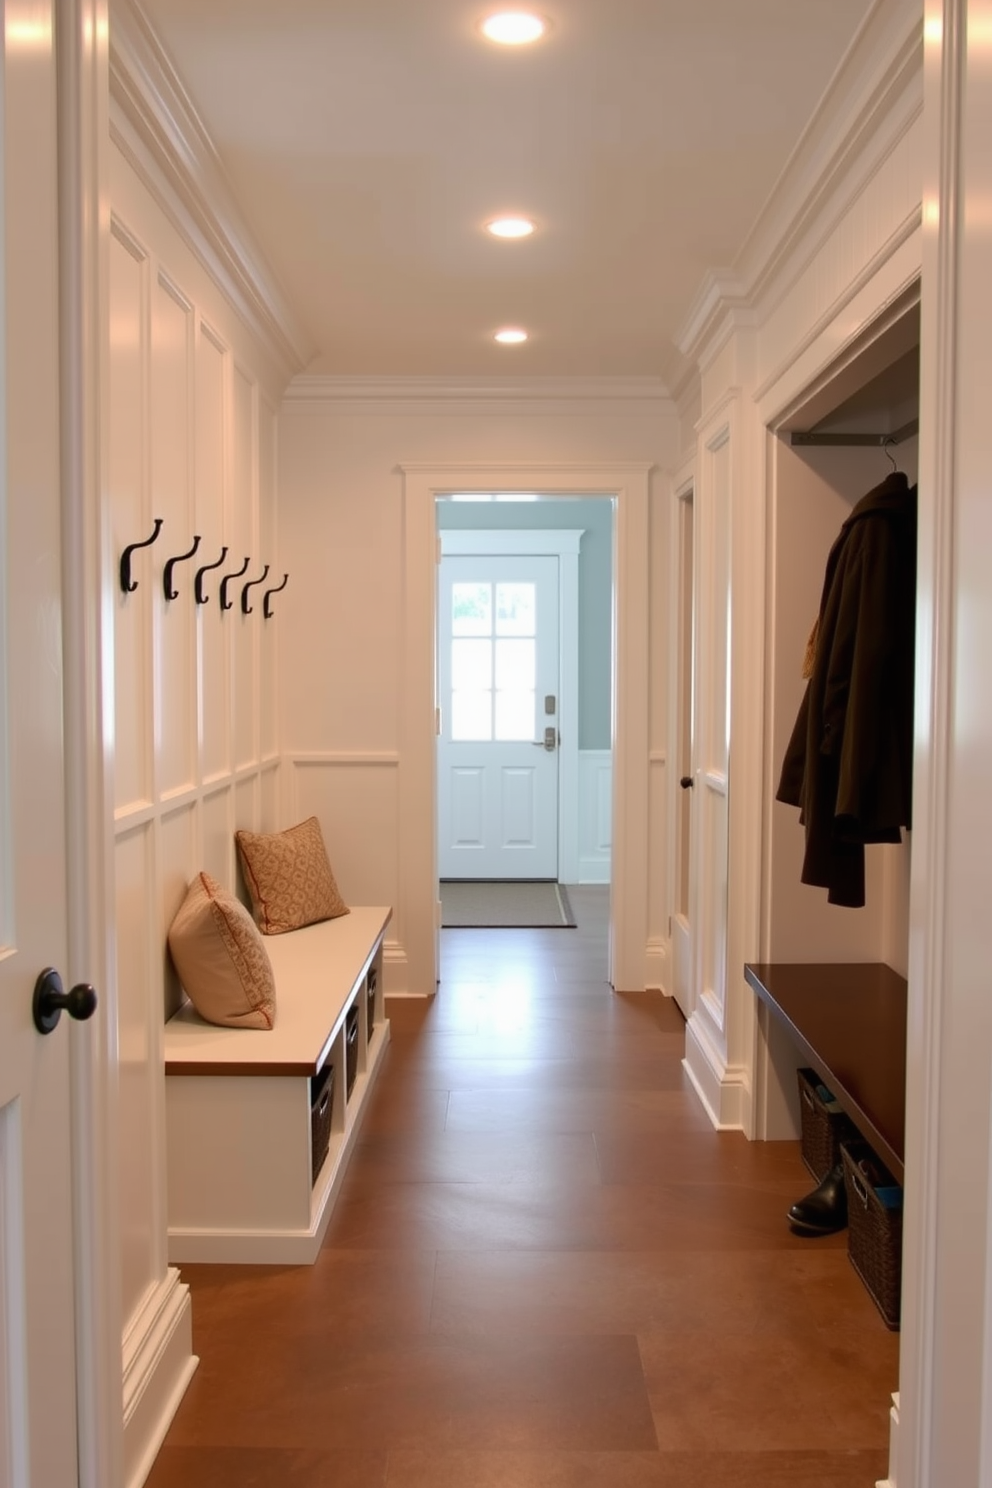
158 1364
594 870
892 1480
395 969
656 963
722 1088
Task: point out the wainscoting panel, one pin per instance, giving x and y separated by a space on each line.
139 1051
356 799
216 848
177 850
197 367
595 815
172 500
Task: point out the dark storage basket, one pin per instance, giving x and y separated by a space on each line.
370 982
874 1227
824 1125
351 1049
321 1106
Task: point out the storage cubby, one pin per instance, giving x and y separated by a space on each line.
244 1124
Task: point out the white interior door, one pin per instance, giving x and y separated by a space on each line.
37 1351
681 924
498 686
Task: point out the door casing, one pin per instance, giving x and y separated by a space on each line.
628 484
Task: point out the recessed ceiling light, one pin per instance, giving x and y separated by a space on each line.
514 27
511 335
510 227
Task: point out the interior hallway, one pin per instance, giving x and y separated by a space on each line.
544 1270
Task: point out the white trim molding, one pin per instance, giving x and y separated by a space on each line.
723 1088
525 394
158 1363
628 484
872 102
154 123
595 805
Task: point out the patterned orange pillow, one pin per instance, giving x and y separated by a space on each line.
289 877
221 958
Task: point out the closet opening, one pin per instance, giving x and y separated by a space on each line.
831 982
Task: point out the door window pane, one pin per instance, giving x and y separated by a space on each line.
516 664
515 714
516 609
471 609
472 665
471 715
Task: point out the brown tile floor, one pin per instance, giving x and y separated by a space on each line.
544 1270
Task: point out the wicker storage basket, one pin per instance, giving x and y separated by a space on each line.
874 1233
824 1125
321 1106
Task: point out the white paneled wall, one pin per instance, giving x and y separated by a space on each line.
192 441
595 815
344 684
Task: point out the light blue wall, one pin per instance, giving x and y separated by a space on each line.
594 517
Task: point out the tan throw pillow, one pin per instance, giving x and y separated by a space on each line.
289 877
221 958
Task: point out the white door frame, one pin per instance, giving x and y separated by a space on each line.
627 483
680 932
562 544
79 30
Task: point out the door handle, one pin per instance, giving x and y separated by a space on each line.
550 740
686 782
50 999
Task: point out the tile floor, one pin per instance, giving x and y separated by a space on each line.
544 1270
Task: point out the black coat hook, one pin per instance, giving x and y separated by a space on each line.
225 603
128 585
202 598
245 606
170 592
266 608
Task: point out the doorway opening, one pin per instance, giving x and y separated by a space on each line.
524 666
627 485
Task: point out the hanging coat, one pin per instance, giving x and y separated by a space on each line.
849 762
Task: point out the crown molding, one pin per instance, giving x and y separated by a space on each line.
720 307
155 124
319 390
874 96
872 100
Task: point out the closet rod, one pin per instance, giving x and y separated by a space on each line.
896 437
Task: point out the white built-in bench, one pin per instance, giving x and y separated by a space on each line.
238 1100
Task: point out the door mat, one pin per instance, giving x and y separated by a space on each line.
478 905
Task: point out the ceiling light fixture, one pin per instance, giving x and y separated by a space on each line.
514 27
510 336
510 227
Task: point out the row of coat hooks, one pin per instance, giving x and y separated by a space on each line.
128 584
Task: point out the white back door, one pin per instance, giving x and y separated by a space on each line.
497 751
37 1348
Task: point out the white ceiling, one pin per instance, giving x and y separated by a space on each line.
369 141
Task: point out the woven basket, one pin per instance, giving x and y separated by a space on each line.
824 1126
874 1233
